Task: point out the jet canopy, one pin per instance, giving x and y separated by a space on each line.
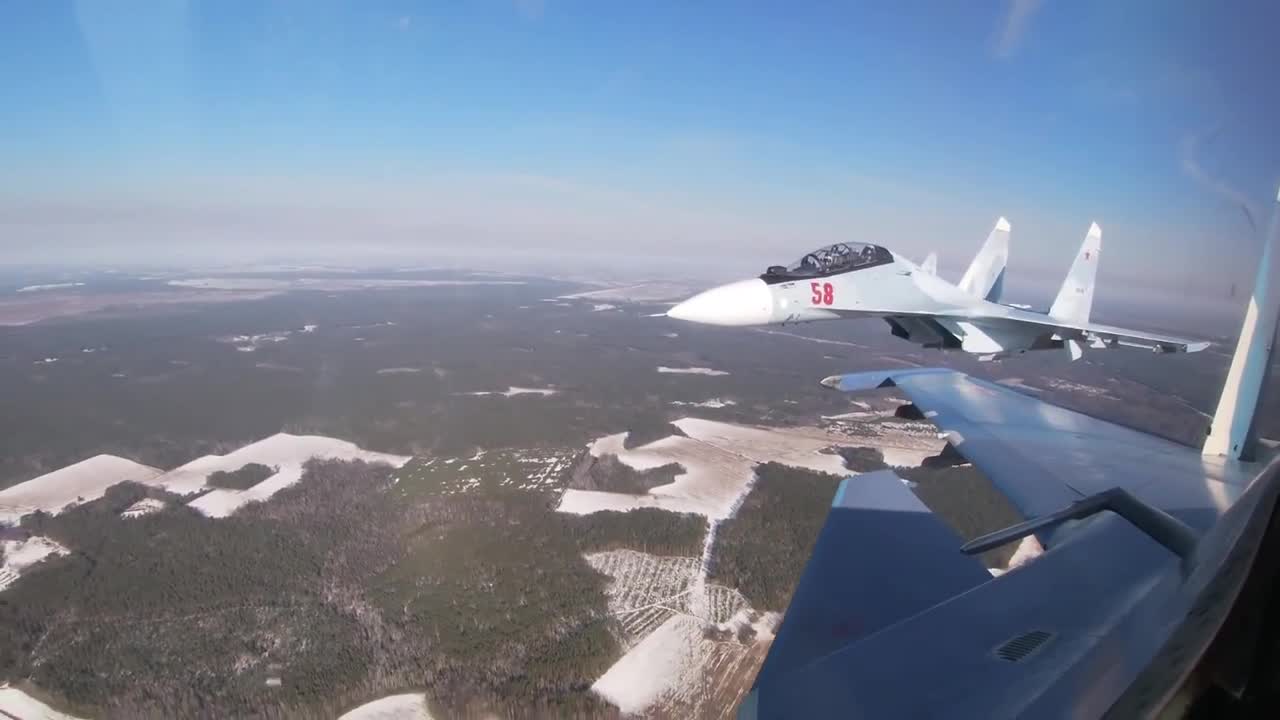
832 260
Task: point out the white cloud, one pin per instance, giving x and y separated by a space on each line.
1016 22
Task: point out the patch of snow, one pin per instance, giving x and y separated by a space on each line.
282 450
1074 387
15 703
83 481
764 625
49 286
398 370
690 371
46 361
718 461
712 403
655 668
309 328
22 554
1029 549
145 506
513 390
601 307
409 706
246 348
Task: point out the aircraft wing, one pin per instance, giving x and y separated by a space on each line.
1044 457
1096 333
890 619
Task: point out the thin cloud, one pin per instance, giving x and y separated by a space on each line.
1016 22
1189 156
404 22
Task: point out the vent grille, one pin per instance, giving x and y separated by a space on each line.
1019 647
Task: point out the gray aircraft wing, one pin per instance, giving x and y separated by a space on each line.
1097 332
890 619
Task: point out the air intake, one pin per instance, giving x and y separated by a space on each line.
1019 647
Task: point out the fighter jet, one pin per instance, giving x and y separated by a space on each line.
1158 584
852 280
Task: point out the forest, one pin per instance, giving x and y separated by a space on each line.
763 549
244 478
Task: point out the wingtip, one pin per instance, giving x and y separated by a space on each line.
1002 224
1095 231
1197 346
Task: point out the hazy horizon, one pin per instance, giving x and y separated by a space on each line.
702 141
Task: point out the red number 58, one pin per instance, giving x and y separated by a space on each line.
823 293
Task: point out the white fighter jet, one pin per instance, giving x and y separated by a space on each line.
851 280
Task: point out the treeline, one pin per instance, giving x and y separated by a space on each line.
649 530
763 549
246 477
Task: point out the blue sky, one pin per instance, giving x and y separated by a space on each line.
729 134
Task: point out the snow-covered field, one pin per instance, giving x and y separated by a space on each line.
16 704
1079 388
50 286
409 706
513 390
399 370
86 480
718 459
284 451
22 554
712 403
690 371
145 506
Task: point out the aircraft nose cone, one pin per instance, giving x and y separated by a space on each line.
747 302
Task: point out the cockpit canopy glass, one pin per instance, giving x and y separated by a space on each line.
834 259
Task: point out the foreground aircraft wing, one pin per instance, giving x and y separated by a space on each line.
1044 457
891 619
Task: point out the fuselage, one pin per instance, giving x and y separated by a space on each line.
918 305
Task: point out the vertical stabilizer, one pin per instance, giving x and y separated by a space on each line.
1231 432
930 264
985 276
1075 299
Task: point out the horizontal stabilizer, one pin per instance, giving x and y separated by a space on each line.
881 557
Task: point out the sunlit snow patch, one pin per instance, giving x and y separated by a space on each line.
513 390
409 706
145 506
15 703
22 554
86 480
690 371
283 451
